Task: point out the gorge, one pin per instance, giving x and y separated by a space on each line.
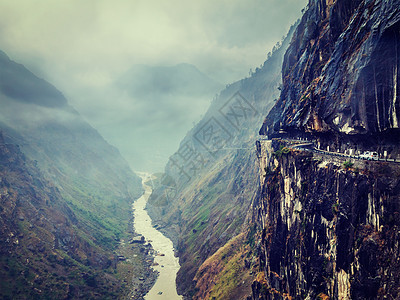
271 195
302 225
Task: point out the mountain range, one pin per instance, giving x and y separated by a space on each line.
65 194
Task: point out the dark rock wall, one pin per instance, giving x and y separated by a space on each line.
327 231
340 73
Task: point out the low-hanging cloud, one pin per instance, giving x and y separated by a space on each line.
102 36
83 47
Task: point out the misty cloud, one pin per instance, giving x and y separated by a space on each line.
84 47
106 37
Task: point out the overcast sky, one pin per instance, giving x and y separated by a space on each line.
82 46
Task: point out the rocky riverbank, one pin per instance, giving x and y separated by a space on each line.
135 260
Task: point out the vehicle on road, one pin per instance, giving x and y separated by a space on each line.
369 155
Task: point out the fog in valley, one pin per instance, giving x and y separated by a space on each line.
143 73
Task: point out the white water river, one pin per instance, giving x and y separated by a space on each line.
168 264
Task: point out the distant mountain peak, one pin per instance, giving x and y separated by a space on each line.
20 84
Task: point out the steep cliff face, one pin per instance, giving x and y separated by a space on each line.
340 74
204 199
327 231
327 228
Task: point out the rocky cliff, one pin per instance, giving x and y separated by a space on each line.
340 75
326 231
327 228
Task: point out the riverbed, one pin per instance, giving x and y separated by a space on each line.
165 261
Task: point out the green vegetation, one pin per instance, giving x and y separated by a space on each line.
250 236
348 165
282 151
228 272
335 208
63 236
211 210
56 284
103 215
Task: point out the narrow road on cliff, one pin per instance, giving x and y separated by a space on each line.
166 263
310 146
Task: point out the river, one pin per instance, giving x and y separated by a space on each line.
168 264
